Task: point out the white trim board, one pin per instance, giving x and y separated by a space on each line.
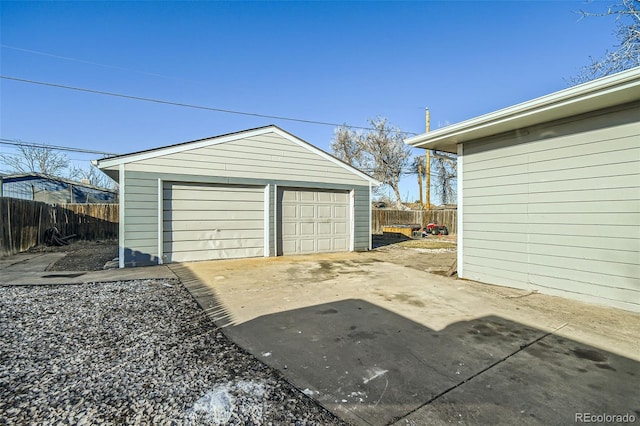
121 218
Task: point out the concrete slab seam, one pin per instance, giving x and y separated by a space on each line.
468 379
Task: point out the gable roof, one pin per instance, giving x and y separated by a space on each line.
616 89
229 137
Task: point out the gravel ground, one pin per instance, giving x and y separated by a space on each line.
81 255
138 352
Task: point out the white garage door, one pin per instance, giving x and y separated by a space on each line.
313 221
203 222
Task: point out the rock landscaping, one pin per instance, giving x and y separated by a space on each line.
136 352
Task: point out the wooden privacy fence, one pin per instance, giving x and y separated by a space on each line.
380 218
23 222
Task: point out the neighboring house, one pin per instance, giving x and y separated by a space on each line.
549 192
53 190
258 192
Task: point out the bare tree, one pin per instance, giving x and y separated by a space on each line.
418 167
93 175
346 145
51 162
37 159
379 151
444 169
627 53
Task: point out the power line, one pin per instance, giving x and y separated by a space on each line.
180 104
57 147
67 58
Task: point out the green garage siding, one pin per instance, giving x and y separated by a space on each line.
556 207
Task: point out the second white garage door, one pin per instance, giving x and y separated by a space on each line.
313 221
203 222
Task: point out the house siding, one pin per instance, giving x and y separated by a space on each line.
556 207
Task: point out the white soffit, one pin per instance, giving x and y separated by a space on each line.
616 89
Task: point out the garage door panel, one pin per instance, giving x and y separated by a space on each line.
325 228
307 228
191 225
306 212
324 212
324 244
222 196
290 246
341 198
214 205
215 254
307 245
325 197
340 228
293 228
340 212
213 235
313 221
213 244
306 196
219 215
204 222
340 244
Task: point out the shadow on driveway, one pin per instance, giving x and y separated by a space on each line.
371 366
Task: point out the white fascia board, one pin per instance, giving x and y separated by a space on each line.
605 92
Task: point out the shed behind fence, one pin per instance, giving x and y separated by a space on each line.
24 222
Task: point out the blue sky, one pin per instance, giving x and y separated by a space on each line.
337 62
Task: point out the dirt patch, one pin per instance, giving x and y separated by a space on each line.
81 255
428 255
428 242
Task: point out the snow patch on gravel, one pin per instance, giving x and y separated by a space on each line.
214 407
218 405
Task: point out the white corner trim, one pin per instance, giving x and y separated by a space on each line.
460 223
275 220
352 219
267 210
160 222
121 218
370 212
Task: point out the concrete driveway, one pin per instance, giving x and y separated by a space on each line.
377 340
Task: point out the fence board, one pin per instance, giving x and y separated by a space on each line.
24 222
380 218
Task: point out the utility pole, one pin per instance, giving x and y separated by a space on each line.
419 182
427 163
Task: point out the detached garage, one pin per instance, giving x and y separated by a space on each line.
259 192
549 192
